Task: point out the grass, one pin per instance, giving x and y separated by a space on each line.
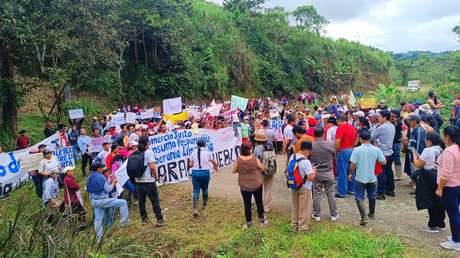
217 232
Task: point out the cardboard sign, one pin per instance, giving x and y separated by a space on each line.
76 113
172 106
239 102
30 162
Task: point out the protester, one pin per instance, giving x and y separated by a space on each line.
245 129
302 197
37 178
321 156
51 199
289 135
415 139
103 205
49 165
332 129
73 135
363 163
201 163
102 156
48 131
448 180
383 137
300 136
72 195
146 184
396 157
83 145
270 133
265 153
22 141
425 179
346 139
249 170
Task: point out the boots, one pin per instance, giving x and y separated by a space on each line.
398 172
205 201
362 212
371 208
195 210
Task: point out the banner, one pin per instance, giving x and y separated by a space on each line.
177 117
11 174
239 102
148 113
76 113
118 119
130 118
65 157
172 149
172 106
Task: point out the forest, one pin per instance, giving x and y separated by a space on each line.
139 51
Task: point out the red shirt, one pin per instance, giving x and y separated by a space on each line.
347 134
71 187
311 131
108 160
22 142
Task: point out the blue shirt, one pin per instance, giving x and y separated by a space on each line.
50 190
365 157
83 142
97 186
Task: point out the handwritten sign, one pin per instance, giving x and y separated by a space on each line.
96 144
30 162
238 102
76 113
172 106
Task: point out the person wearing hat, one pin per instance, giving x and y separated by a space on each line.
311 126
362 162
262 146
71 192
95 124
22 141
99 190
201 163
49 164
383 138
382 105
102 156
51 198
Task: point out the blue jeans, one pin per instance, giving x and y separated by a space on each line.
386 179
362 188
343 164
130 186
396 157
38 182
451 199
104 213
200 181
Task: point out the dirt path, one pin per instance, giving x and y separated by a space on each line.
397 215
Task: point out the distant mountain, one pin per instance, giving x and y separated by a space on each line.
412 55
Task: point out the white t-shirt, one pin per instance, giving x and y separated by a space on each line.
49 165
103 156
288 134
330 135
149 157
305 169
429 155
206 158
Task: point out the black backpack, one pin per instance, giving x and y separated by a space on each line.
135 166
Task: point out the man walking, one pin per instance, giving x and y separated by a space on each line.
363 160
383 138
321 156
345 140
146 184
301 198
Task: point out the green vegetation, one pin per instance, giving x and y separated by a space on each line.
217 232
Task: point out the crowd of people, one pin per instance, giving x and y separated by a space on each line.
332 147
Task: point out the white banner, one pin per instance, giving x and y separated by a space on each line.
11 175
172 150
76 113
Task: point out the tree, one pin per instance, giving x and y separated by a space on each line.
308 17
243 6
456 30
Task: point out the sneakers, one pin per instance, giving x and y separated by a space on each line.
339 196
371 215
392 194
451 245
316 218
335 218
430 230
380 197
263 223
161 223
441 229
247 225
146 222
364 221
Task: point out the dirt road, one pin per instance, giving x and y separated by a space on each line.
397 215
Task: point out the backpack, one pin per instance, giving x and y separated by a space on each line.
135 166
269 162
293 176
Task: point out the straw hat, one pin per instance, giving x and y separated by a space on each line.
260 136
425 108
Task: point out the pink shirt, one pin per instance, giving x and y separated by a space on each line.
449 166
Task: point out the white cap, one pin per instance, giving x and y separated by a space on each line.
359 113
325 116
68 169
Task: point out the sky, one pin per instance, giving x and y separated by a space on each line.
391 25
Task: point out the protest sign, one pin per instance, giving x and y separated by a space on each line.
277 126
172 106
130 118
76 113
96 144
148 113
214 110
238 102
274 113
30 162
177 117
11 174
352 99
172 149
118 119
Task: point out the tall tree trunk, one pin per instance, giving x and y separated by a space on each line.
9 108
136 51
146 61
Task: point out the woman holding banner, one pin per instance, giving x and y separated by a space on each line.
201 163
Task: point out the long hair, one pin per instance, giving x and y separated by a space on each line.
453 134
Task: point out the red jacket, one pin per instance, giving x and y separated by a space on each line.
22 142
71 186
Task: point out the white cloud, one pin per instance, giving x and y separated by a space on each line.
393 25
